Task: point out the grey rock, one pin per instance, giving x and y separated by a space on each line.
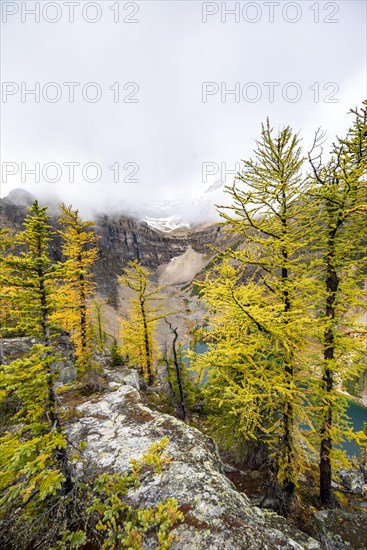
339 530
19 347
16 348
363 468
118 427
67 371
352 479
103 358
123 375
284 530
229 469
359 504
270 503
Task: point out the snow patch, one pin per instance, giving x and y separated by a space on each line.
167 224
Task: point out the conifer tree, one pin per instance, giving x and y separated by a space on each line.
79 249
40 503
259 326
340 195
29 277
6 248
39 506
138 329
33 463
99 321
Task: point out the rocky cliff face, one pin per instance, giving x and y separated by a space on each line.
123 239
118 427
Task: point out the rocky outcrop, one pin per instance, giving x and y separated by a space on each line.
339 530
19 347
118 427
123 239
352 480
16 348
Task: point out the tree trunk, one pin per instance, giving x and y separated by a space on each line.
2 359
287 450
61 454
179 377
326 445
99 325
44 309
171 390
148 357
288 412
183 406
83 311
332 284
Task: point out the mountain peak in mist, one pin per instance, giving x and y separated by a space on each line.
162 214
20 197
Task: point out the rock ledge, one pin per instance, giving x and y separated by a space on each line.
118 427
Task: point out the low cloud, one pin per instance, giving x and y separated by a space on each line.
175 93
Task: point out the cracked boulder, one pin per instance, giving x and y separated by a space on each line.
117 427
339 530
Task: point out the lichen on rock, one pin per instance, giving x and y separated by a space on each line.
340 530
117 427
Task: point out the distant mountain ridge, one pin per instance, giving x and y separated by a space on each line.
166 215
122 239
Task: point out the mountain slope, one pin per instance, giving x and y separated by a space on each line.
122 239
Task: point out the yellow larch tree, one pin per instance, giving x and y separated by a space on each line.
139 328
80 251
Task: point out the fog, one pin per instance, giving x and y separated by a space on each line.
157 133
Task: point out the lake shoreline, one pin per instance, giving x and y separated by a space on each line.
360 400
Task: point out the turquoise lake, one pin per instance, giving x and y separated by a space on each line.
358 415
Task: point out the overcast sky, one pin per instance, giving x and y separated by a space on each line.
163 126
